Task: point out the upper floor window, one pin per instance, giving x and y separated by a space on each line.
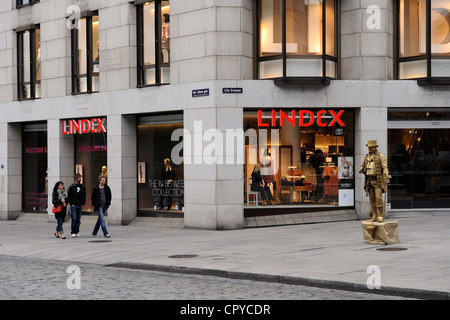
23 3
424 41
153 42
297 40
85 55
29 63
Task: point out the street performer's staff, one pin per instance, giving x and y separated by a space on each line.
375 169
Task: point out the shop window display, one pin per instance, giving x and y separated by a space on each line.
29 64
160 180
301 165
424 39
419 163
86 56
91 160
34 168
297 39
153 42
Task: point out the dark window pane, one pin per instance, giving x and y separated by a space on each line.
419 162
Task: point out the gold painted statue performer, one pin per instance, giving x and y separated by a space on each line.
375 169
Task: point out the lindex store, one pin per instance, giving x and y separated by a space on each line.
307 160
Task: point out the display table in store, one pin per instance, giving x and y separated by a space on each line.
380 232
298 189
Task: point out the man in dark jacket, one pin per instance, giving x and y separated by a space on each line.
101 200
77 199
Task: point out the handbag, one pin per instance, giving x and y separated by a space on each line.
56 209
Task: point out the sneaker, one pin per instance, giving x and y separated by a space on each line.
74 235
78 235
95 235
107 235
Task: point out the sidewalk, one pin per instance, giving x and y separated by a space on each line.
331 255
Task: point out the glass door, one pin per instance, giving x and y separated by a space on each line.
419 163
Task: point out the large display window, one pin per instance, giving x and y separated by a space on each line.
297 40
34 168
86 55
90 154
153 42
29 63
423 40
304 158
160 180
419 159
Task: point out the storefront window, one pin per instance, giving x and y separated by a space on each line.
22 3
424 39
155 190
153 32
419 159
306 158
297 39
90 155
34 168
85 55
29 64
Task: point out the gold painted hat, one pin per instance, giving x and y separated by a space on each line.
372 143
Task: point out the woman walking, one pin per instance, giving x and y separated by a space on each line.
59 196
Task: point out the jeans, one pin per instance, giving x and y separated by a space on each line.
100 222
261 190
75 213
60 222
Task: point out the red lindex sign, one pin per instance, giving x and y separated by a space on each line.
305 118
81 126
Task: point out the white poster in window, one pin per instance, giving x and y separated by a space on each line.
346 198
141 172
346 169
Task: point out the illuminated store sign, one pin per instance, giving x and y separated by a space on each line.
84 126
305 118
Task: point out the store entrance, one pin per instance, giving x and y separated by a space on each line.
419 163
90 161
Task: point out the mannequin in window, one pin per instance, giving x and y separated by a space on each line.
167 178
104 171
257 185
38 62
97 57
165 38
270 177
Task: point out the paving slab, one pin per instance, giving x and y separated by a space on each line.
321 254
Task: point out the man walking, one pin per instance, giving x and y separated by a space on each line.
77 199
101 200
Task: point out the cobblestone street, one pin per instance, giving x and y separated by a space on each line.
26 278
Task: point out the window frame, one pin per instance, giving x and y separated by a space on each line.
20 4
89 52
159 64
421 81
21 64
306 80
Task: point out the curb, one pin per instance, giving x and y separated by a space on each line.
289 280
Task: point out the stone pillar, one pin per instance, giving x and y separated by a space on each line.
61 166
213 185
371 124
10 171
367 40
122 168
